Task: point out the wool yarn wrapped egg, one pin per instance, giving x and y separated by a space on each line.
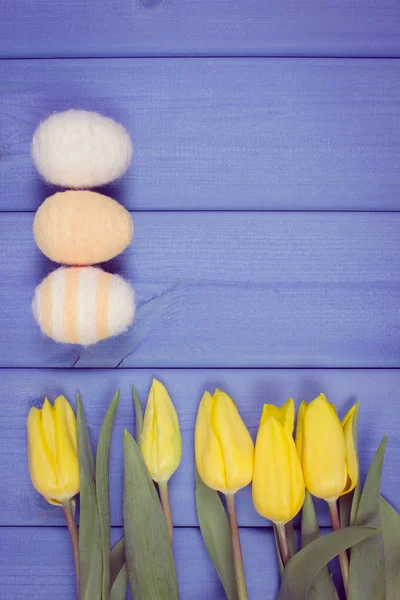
81 149
82 305
82 228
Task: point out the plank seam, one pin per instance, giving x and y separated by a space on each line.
208 57
233 210
202 368
62 526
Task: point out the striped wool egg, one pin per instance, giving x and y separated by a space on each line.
82 305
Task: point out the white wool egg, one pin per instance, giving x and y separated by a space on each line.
82 305
81 149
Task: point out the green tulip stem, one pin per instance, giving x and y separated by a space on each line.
283 544
166 506
73 532
343 558
236 548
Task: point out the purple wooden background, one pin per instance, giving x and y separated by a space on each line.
265 191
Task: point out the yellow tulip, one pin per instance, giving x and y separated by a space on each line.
52 451
326 448
160 441
223 446
278 483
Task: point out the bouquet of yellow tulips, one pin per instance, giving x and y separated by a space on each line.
62 464
285 472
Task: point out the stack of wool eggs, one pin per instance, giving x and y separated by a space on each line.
79 303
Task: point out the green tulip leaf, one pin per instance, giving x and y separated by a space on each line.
117 559
367 561
322 586
357 490
390 520
103 490
345 506
118 572
148 550
304 566
120 585
214 527
138 415
90 555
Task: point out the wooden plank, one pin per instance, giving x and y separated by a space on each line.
37 564
377 391
240 134
228 289
201 27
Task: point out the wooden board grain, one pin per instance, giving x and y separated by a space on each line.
377 391
200 27
42 557
268 134
228 289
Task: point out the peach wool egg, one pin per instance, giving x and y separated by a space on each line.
81 227
82 305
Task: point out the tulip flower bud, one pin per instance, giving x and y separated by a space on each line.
278 483
223 446
326 449
52 451
160 441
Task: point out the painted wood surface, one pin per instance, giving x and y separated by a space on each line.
42 557
265 193
228 290
200 27
267 134
377 390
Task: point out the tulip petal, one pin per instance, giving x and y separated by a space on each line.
169 441
54 502
160 443
287 416
284 415
270 488
41 463
278 484
66 448
61 404
298 486
147 438
235 441
324 450
48 428
351 454
270 410
300 428
209 458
